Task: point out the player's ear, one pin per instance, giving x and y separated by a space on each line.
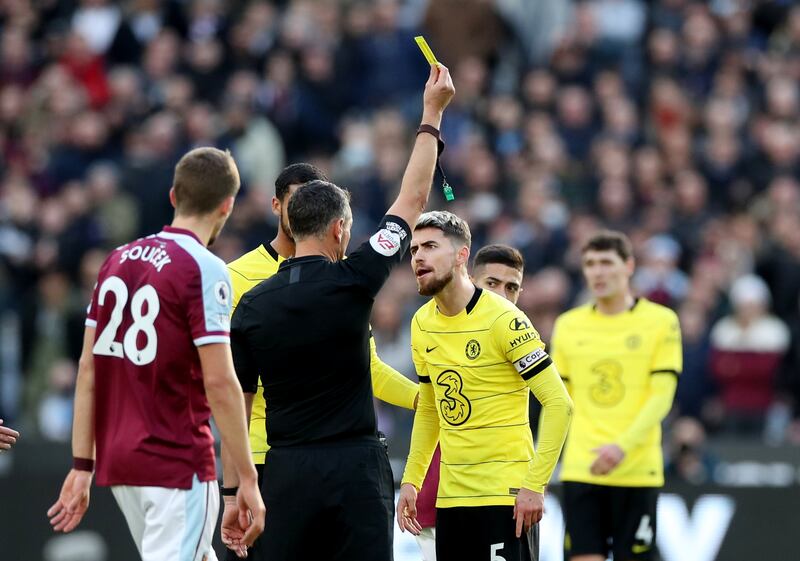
338 229
227 205
462 257
630 266
172 198
276 206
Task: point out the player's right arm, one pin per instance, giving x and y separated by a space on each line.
73 501
388 384
424 437
418 177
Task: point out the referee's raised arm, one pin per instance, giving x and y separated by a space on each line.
417 179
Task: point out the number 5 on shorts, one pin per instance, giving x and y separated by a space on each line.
495 547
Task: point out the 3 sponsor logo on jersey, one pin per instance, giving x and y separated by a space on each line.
529 360
159 257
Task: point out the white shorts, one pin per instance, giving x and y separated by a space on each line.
174 524
426 541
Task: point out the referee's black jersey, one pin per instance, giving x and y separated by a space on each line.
305 330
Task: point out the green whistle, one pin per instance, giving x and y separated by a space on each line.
448 192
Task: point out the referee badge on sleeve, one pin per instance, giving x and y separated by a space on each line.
385 242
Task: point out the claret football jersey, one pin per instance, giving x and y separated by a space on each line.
156 300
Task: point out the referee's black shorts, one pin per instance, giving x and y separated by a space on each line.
332 501
603 519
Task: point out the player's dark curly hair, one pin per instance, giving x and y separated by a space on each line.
296 174
501 254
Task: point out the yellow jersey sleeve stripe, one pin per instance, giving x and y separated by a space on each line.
666 371
536 368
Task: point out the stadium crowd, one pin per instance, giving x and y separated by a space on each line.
675 121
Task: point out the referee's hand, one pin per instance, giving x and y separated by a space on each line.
439 90
528 509
407 509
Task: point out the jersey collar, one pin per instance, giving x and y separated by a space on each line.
181 231
633 306
474 300
271 251
292 261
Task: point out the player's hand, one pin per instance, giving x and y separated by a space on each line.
230 531
407 509
251 510
8 437
439 90
68 510
608 457
528 509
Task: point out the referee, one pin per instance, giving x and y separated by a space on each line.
327 485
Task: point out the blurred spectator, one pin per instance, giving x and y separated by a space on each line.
746 351
696 387
687 456
658 277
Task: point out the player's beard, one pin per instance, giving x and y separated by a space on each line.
284 226
434 287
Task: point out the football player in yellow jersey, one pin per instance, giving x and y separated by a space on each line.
497 268
251 269
477 357
620 357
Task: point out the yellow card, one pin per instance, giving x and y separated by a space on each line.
426 50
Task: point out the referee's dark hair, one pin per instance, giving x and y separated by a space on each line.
453 227
314 206
296 174
500 254
610 240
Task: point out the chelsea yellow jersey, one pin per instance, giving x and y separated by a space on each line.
613 365
480 364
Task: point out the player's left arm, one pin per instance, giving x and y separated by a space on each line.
665 368
524 349
73 501
388 384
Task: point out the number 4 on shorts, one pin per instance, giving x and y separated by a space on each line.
495 548
645 532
